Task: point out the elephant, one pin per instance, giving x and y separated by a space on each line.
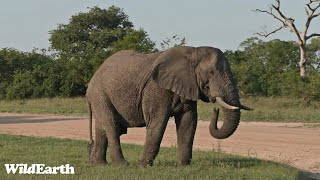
132 89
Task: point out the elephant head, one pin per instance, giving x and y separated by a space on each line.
201 73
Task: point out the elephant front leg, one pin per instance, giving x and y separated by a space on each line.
186 127
154 136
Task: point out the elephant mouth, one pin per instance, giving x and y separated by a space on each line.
228 106
212 99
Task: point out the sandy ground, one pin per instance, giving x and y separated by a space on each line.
296 144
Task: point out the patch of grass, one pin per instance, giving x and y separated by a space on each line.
205 165
271 109
313 125
64 106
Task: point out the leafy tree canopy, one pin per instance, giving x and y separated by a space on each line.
89 38
137 40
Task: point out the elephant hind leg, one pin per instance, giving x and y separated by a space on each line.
105 116
98 149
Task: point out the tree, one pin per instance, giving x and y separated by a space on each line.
313 50
287 22
13 61
135 40
270 69
86 32
174 41
43 80
258 65
88 39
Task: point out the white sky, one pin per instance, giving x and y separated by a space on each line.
219 23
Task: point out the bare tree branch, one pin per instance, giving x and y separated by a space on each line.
311 10
310 3
279 11
286 22
295 30
312 35
289 21
270 13
316 15
307 12
311 15
266 34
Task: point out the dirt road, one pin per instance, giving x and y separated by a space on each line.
296 144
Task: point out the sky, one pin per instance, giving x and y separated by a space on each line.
219 23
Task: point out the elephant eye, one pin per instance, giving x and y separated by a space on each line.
211 71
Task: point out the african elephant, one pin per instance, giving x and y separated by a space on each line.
131 89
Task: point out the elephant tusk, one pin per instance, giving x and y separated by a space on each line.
224 104
245 108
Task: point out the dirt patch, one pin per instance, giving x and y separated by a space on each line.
291 143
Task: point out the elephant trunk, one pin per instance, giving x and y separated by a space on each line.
231 116
230 123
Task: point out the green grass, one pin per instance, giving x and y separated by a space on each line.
205 164
277 109
64 106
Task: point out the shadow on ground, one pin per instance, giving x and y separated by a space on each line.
33 119
247 163
308 176
232 162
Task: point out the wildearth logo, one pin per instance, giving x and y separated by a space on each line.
38 169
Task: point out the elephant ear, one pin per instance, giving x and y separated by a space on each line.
172 70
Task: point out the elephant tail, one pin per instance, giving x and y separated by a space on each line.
90 123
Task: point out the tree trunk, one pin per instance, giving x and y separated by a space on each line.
303 60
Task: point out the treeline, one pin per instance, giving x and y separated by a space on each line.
272 69
79 47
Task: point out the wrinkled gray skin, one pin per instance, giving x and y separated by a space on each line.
144 90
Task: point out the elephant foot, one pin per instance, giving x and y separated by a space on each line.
184 163
97 158
122 162
98 162
145 163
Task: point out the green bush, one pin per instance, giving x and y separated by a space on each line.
42 81
18 65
